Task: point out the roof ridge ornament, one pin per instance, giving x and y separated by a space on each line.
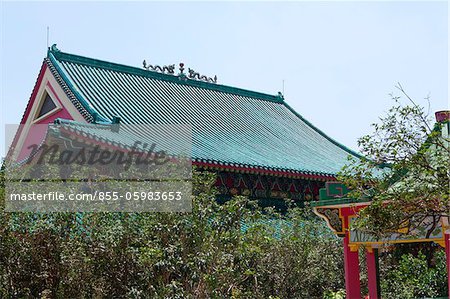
181 74
280 96
169 69
181 68
53 48
194 75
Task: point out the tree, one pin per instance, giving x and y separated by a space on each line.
406 171
230 250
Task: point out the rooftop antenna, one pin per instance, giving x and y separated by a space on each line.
283 88
48 33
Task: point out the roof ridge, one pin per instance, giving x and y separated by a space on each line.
307 122
62 56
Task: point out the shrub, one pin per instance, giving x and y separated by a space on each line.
412 277
203 254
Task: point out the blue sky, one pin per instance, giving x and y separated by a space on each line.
339 60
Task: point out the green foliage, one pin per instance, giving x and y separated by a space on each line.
405 172
412 277
334 295
203 254
405 176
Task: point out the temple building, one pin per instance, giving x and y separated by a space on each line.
256 143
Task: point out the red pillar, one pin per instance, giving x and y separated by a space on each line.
372 275
447 251
351 267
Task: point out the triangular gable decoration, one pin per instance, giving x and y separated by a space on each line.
47 106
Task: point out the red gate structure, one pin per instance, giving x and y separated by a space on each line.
339 211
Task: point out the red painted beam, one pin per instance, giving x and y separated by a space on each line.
351 267
352 210
372 273
447 253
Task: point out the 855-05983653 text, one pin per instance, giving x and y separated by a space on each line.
98 196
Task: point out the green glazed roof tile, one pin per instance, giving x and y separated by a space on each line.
229 125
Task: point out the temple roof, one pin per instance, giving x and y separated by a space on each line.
231 127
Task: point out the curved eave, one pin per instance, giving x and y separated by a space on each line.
206 164
264 170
